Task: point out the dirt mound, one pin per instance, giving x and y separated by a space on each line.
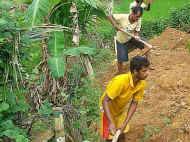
171 38
164 114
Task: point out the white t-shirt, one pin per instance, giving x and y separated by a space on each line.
124 23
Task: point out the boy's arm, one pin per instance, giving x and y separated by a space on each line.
106 108
113 22
131 111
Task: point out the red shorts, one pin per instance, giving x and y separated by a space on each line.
105 126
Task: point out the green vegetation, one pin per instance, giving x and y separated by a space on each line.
12 103
89 110
163 13
36 54
162 8
178 18
188 46
159 8
42 67
149 131
167 120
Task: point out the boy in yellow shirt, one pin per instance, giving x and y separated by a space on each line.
121 90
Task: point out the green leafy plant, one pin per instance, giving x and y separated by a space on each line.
58 54
16 46
83 100
152 28
149 131
167 120
180 18
45 109
12 102
38 10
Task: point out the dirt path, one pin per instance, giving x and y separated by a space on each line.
164 115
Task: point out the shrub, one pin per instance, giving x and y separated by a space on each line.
12 103
151 28
86 101
180 18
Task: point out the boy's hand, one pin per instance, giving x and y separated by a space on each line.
137 37
112 128
116 136
122 128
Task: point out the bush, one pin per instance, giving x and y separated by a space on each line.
151 28
180 18
86 102
102 58
12 103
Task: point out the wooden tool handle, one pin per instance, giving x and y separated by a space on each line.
116 136
144 42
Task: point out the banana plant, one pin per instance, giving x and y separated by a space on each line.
58 53
56 61
42 11
39 10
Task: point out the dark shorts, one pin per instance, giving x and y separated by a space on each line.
124 48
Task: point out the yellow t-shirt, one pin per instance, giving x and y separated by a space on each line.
123 21
121 90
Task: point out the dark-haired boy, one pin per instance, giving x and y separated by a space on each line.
119 92
125 43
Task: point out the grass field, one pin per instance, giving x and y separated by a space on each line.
159 8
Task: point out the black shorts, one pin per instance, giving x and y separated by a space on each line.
124 48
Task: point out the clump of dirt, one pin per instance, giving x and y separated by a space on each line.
164 114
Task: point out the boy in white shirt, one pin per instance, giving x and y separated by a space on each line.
125 43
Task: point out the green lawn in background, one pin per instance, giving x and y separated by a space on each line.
159 8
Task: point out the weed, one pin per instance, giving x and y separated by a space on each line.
149 131
166 120
188 45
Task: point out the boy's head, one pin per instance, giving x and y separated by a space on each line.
137 12
139 67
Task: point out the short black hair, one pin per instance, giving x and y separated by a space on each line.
138 62
137 9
